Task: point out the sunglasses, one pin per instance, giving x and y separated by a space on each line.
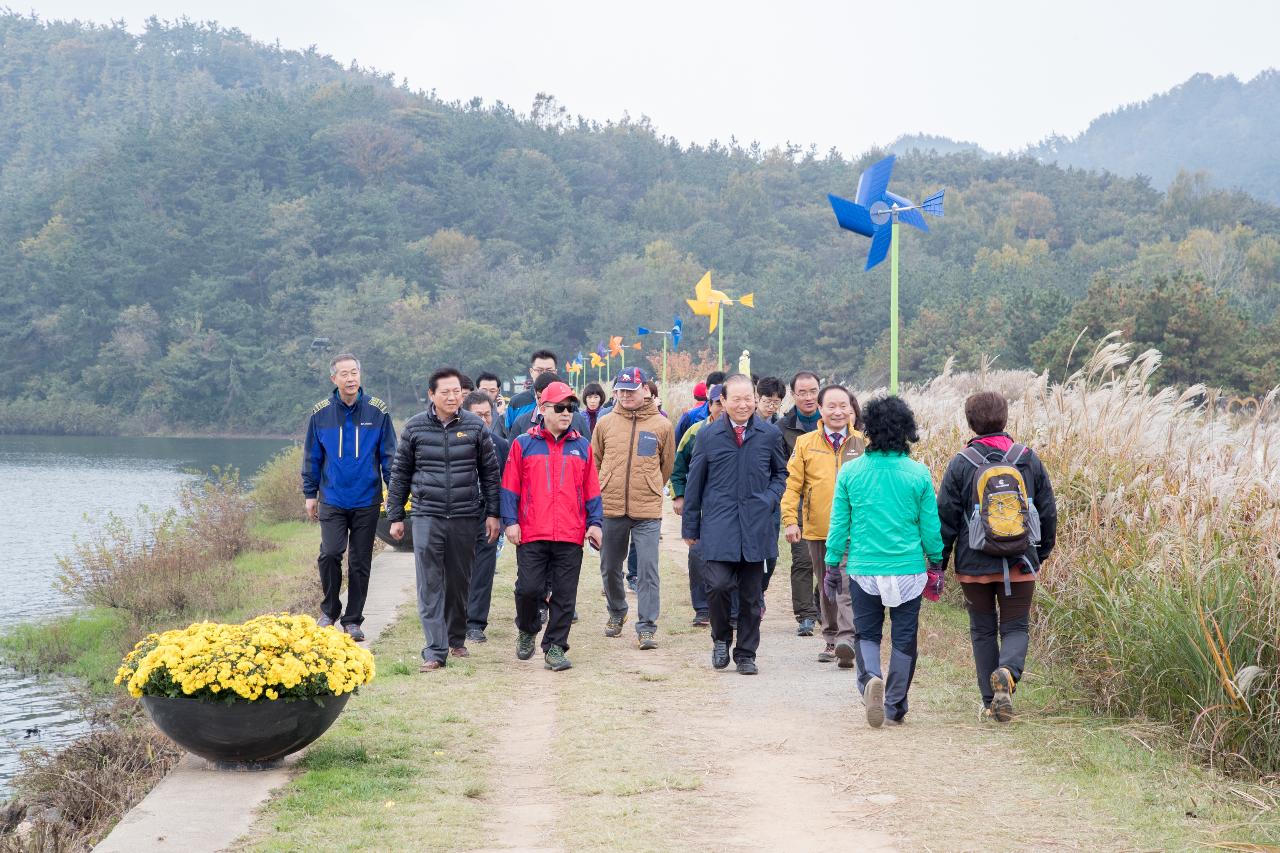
561 408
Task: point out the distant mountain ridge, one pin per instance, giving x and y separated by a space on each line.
1221 126
1214 124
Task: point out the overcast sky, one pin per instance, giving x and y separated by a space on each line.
842 74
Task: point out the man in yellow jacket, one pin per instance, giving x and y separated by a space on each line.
635 448
811 479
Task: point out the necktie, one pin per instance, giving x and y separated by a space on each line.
738 431
837 439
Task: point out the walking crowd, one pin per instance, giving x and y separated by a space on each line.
868 534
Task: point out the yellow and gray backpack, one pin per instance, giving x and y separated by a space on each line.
1004 521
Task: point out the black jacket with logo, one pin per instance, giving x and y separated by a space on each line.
452 469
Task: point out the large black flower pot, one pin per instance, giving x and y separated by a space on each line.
258 732
384 533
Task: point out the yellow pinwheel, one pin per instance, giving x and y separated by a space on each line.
709 302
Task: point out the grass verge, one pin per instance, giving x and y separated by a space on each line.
1134 774
406 766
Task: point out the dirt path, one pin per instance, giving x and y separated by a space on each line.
523 794
796 767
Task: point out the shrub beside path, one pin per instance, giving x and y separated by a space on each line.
196 807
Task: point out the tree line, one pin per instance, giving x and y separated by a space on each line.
194 221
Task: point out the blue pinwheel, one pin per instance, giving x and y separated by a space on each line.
674 333
875 212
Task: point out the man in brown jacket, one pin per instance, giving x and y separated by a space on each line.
635 449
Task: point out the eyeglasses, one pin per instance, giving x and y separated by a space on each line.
561 408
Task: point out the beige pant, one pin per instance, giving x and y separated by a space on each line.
837 615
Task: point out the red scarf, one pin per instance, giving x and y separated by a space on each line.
999 442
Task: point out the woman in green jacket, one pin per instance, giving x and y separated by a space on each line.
885 515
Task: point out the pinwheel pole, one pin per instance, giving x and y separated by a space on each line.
893 306
720 336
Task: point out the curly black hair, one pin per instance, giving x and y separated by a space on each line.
890 425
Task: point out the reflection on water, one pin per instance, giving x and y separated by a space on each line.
51 490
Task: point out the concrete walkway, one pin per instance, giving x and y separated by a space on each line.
196 808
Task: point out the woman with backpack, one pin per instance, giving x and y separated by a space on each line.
999 518
884 514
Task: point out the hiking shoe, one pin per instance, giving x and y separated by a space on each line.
613 628
460 652
631 584
844 654
985 715
475 635
354 632
431 665
1002 699
646 641
323 622
554 659
828 654
746 666
575 617
543 615
720 654
524 645
805 628
874 697
700 620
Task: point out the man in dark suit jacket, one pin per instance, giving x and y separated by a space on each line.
736 479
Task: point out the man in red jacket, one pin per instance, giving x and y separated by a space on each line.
550 503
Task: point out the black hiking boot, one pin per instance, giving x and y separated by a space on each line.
747 666
613 628
720 655
524 646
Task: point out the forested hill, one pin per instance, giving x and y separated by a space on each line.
1214 124
184 211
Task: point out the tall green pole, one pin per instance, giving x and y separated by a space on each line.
664 362
893 307
720 336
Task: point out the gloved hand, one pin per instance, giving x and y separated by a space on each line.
831 582
933 587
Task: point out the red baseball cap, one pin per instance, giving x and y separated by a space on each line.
557 392
700 391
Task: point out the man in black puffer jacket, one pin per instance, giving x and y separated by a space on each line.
446 457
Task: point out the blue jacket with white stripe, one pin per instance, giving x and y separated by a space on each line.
348 451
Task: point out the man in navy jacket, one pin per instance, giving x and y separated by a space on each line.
346 458
736 479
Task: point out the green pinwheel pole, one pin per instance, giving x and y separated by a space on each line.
720 337
893 308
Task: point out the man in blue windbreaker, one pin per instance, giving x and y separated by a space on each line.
345 460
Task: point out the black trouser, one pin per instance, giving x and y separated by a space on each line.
723 580
352 531
443 549
539 566
481 594
1012 625
868 625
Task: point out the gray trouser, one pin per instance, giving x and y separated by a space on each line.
837 616
618 534
443 551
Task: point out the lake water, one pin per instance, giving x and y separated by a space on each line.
53 489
